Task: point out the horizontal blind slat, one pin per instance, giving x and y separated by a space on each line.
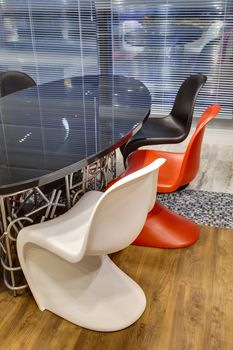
49 40
163 43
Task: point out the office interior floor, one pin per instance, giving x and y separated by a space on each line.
189 304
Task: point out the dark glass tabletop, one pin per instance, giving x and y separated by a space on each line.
53 129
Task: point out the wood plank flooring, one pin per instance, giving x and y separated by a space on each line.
189 304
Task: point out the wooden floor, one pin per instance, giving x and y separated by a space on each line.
189 304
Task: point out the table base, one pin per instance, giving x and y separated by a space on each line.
44 203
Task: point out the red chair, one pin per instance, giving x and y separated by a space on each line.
163 228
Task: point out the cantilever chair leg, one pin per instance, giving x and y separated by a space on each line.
166 229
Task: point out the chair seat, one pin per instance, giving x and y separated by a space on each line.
155 131
161 129
169 172
180 168
66 234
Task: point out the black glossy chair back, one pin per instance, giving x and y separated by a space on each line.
174 127
12 81
185 99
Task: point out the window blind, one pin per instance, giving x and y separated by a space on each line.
163 42
158 42
48 40
52 40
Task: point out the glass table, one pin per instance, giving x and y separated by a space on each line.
58 140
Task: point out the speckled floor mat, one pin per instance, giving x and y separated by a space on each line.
203 207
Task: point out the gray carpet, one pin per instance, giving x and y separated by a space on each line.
203 207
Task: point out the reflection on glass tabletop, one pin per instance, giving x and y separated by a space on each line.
50 130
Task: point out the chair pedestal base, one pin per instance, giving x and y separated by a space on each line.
166 229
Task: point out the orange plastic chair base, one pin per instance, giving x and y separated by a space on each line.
166 229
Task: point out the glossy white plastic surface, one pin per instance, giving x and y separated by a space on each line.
65 263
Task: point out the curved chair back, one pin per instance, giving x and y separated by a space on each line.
12 81
183 107
191 160
121 212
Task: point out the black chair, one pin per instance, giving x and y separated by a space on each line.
12 81
173 128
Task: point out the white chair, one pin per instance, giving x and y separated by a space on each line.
65 263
